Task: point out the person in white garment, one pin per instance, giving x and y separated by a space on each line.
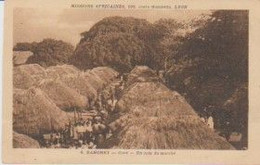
210 122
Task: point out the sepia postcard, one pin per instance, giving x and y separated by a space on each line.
131 82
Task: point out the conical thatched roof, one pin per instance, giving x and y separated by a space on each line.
23 141
166 132
105 73
142 74
154 117
62 95
156 97
26 76
79 83
34 113
95 81
61 70
67 86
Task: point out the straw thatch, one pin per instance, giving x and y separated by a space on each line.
154 117
61 70
95 81
181 132
105 73
67 86
79 83
156 97
22 79
62 95
34 113
142 74
20 57
26 76
23 141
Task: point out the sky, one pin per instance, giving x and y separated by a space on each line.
36 24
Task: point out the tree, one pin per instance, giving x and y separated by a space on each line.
211 63
117 50
24 46
120 43
51 52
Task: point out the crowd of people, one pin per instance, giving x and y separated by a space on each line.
89 131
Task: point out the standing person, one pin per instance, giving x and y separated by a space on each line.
81 130
52 139
210 122
96 130
100 139
57 137
227 130
71 128
66 134
75 132
103 128
161 75
88 132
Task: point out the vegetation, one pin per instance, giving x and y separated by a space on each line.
211 63
24 46
207 65
48 52
122 43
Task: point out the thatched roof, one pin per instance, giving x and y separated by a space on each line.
26 76
62 95
105 73
164 132
142 74
34 113
157 99
23 141
95 81
67 86
22 79
61 70
155 117
79 83
20 57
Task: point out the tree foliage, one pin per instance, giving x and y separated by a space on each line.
51 52
24 46
212 62
120 50
122 43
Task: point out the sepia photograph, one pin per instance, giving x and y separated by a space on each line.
93 79
145 82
